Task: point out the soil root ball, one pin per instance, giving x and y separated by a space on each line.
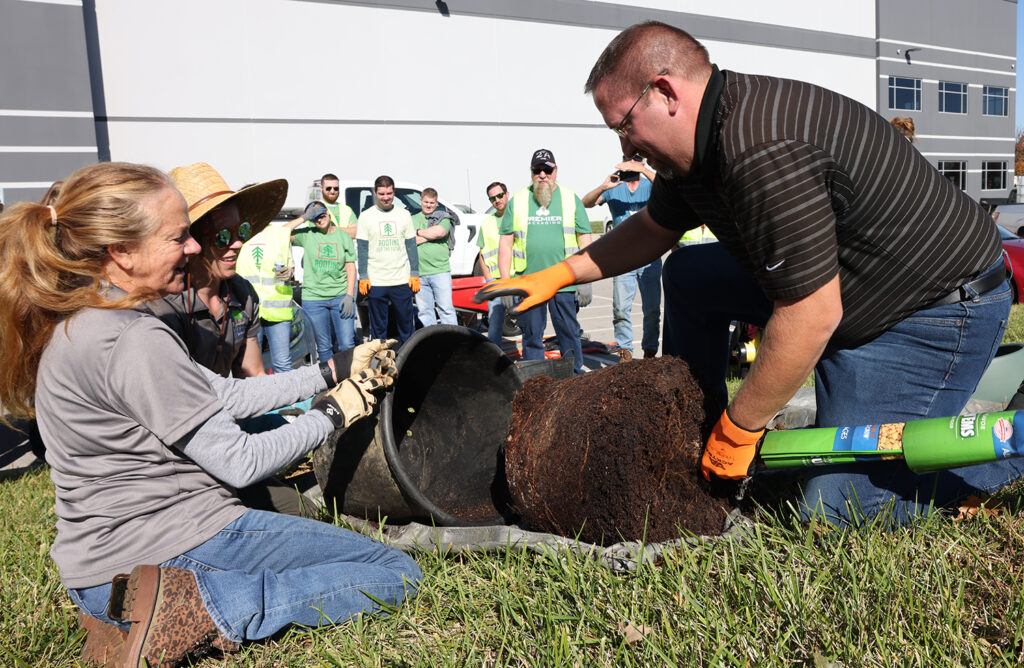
613 455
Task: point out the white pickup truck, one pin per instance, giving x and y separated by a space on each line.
358 195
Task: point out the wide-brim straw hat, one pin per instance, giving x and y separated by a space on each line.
205 189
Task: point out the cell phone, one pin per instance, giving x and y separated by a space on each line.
628 176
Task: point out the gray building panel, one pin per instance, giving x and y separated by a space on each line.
39 167
46 131
42 48
15 195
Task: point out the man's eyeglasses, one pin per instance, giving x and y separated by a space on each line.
621 129
494 199
331 189
223 238
545 169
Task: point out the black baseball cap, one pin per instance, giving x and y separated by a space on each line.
542 156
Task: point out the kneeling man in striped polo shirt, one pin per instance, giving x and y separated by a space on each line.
861 261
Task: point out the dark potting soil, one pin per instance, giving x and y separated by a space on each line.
613 454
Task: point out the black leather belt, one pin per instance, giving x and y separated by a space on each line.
980 285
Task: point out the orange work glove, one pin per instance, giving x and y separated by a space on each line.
730 450
535 288
414 283
364 286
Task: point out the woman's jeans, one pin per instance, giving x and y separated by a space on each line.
265 571
325 314
927 365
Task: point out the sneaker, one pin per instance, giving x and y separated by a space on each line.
648 353
104 643
169 620
625 355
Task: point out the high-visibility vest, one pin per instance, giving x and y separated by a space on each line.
489 233
342 208
520 226
256 263
698 235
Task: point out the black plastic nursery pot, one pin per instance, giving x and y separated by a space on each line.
432 450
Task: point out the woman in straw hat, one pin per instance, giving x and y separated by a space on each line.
217 314
141 440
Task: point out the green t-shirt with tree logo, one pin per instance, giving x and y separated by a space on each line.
323 262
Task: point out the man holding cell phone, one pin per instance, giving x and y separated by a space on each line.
626 191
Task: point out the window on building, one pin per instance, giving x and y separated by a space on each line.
995 101
955 171
905 93
952 97
993 175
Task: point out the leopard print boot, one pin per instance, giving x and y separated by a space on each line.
169 620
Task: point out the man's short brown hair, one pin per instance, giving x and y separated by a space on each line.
383 181
641 51
428 192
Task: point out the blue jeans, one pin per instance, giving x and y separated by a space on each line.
624 290
278 336
567 329
325 314
398 297
265 571
927 365
495 321
436 291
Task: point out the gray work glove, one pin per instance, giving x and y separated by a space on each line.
509 302
313 211
352 398
348 307
584 294
284 274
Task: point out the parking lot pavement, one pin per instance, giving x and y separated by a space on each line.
596 319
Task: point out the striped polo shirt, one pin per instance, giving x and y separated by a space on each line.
799 182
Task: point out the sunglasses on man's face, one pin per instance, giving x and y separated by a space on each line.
495 198
223 238
545 169
331 189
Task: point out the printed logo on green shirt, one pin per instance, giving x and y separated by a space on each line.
327 251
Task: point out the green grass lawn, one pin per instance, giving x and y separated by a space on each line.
941 593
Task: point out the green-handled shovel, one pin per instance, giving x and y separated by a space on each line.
926 445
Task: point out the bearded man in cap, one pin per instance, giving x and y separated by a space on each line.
543 225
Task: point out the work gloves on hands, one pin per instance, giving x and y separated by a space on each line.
730 450
284 274
313 211
352 398
364 286
584 294
348 307
414 283
535 288
376 354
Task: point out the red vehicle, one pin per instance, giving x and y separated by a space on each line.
1013 255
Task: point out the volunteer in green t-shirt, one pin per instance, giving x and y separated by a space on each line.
544 224
432 230
328 278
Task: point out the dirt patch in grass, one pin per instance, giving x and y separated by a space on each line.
613 454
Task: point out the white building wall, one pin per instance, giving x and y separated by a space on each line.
278 88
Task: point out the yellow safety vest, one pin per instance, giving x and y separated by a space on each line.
520 225
489 233
698 235
256 263
341 212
